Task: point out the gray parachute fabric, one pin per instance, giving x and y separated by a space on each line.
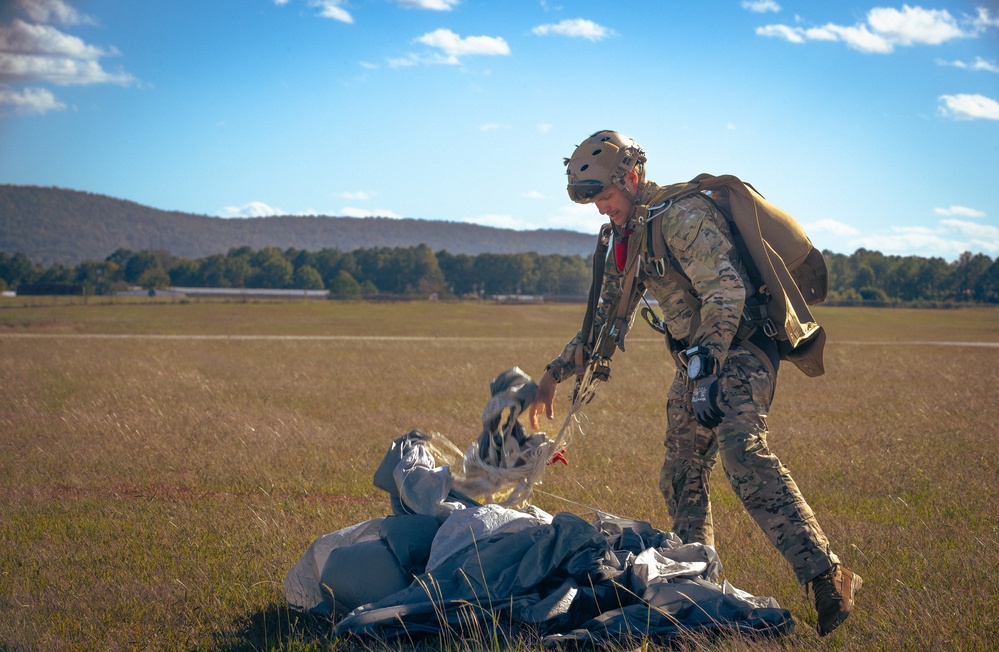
444 563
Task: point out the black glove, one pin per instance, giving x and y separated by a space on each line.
705 402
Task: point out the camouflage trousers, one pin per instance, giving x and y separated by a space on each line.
759 479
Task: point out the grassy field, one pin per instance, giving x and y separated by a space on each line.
163 464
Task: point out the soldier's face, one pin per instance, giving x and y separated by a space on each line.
612 203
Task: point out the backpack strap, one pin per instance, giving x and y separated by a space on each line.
662 262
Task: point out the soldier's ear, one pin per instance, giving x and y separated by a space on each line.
631 179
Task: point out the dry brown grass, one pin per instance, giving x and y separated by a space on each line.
154 491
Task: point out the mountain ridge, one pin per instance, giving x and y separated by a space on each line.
57 225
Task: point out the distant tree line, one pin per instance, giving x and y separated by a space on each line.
396 271
862 277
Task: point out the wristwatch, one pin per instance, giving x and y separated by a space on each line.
700 362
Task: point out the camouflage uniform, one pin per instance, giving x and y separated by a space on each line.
700 240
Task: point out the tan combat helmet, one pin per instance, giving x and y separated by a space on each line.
603 159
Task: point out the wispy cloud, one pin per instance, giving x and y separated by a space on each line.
53 11
761 6
360 195
949 239
500 221
961 211
434 5
886 28
979 64
332 9
251 209
969 107
575 28
33 52
350 211
30 100
832 227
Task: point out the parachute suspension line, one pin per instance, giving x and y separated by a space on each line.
586 388
573 502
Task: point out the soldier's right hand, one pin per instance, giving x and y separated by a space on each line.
545 399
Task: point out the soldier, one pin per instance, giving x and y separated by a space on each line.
724 383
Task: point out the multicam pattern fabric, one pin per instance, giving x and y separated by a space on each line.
760 480
700 240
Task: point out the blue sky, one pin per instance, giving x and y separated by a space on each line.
875 123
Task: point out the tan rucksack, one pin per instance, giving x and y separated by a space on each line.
788 272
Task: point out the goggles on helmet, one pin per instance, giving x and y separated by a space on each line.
585 191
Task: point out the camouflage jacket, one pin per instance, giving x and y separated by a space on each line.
700 241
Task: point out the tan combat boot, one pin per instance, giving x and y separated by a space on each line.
834 591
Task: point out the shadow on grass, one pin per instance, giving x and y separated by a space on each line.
279 628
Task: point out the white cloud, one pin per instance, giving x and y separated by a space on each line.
979 64
47 11
577 217
832 227
533 194
43 53
281 2
350 211
886 28
983 21
761 6
403 62
360 195
974 229
492 126
252 209
27 38
435 5
332 9
500 222
577 28
30 100
969 107
454 46
789 34
544 128
949 239
914 25
962 211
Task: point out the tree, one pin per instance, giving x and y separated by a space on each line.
154 277
145 260
987 285
17 269
458 272
273 270
967 269
307 278
344 286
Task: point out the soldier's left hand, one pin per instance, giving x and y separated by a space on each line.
705 402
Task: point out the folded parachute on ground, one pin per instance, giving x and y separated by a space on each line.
443 562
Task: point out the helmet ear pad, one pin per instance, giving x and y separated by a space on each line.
605 158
